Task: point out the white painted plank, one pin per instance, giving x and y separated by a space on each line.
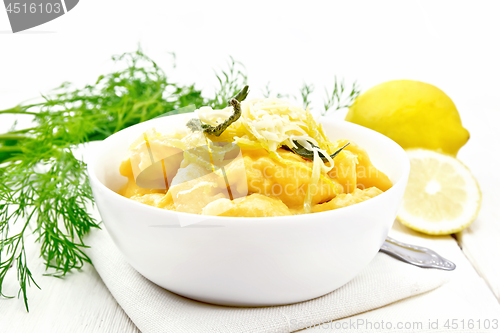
481 241
466 296
78 303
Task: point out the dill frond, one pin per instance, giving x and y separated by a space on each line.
340 97
45 188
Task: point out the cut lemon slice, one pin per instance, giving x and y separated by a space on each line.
442 196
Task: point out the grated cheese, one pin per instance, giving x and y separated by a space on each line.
274 123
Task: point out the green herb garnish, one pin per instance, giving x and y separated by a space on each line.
195 124
305 93
340 97
308 154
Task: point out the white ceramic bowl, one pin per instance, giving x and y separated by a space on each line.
248 261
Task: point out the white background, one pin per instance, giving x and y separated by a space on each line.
451 44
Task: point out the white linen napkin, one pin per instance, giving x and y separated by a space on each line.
154 309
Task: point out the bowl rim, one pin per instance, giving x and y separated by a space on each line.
405 169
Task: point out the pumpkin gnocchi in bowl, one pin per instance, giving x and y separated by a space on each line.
272 159
257 204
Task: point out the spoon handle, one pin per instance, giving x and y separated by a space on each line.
416 255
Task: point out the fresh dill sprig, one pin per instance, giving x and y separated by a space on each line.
268 92
305 93
339 97
44 188
230 81
52 202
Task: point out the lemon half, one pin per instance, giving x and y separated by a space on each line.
442 196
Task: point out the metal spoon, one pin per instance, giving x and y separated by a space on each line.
416 255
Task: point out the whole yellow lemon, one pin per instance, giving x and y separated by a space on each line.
414 114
